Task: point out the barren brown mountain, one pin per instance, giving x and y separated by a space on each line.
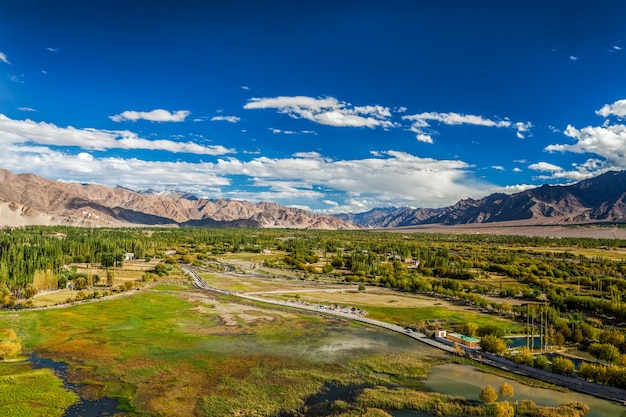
26 199
597 200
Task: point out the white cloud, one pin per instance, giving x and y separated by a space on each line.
422 137
388 178
516 169
52 49
573 58
157 115
331 203
617 109
327 111
229 119
24 132
422 119
617 48
608 142
422 122
545 167
4 58
522 129
245 87
29 109
498 167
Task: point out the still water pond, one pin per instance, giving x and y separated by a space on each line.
468 382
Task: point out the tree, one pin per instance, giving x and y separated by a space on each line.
562 366
541 362
469 329
506 390
488 395
492 344
605 351
490 329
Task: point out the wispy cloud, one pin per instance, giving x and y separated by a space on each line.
291 132
157 115
229 119
617 48
245 87
573 58
51 49
523 129
4 58
422 122
15 133
17 78
28 109
326 111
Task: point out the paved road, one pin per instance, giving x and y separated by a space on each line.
198 282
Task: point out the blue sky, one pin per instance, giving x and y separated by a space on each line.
333 106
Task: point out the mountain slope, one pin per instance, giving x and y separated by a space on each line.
26 199
599 199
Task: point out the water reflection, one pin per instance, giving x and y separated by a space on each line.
104 406
467 381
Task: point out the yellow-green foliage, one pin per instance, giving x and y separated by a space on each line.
10 344
29 393
574 409
406 365
45 280
407 399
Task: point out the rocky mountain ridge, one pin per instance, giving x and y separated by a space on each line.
27 199
598 199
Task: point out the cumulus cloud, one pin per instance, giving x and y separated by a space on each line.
157 115
617 109
24 132
420 123
4 58
387 178
306 178
229 119
606 144
422 137
326 111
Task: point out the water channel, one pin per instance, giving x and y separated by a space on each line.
467 381
104 406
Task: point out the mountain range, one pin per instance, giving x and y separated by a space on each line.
596 200
27 199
